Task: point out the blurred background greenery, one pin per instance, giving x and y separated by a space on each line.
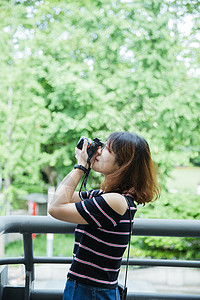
72 68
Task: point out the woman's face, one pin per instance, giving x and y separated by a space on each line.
104 161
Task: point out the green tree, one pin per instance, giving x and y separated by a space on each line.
90 68
22 110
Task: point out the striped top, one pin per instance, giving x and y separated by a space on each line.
99 246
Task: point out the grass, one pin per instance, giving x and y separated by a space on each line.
62 246
184 179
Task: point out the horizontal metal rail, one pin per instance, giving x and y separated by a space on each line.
132 262
142 227
26 225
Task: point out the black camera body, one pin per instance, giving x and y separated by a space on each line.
92 146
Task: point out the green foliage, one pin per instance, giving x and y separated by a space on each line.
91 68
165 248
195 160
173 206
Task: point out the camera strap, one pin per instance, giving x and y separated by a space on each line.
85 179
129 243
123 288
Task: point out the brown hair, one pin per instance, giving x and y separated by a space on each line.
136 174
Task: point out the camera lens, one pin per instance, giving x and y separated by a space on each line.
81 141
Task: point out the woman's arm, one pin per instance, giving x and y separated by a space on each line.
63 206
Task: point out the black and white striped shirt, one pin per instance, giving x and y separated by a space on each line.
99 246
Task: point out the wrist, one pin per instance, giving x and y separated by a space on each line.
83 163
81 167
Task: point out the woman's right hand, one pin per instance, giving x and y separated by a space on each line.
81 155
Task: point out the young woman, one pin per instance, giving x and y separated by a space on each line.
102 234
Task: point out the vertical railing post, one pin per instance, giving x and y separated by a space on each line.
2 246
3 279
50 236
29 265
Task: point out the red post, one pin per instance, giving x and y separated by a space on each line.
34 214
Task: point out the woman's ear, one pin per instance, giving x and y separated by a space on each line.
117 166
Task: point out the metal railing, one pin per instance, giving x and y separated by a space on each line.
26 225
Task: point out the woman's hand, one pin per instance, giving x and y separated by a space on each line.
81 155
62 207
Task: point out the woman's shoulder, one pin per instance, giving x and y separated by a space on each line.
116 201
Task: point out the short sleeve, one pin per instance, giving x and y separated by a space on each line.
98 213
89 194
85 194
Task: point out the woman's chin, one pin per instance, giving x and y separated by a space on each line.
95 168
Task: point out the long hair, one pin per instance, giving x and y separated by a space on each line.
136 174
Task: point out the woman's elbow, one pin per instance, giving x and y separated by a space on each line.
52 206
51 210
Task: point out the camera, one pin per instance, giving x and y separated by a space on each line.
92 146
